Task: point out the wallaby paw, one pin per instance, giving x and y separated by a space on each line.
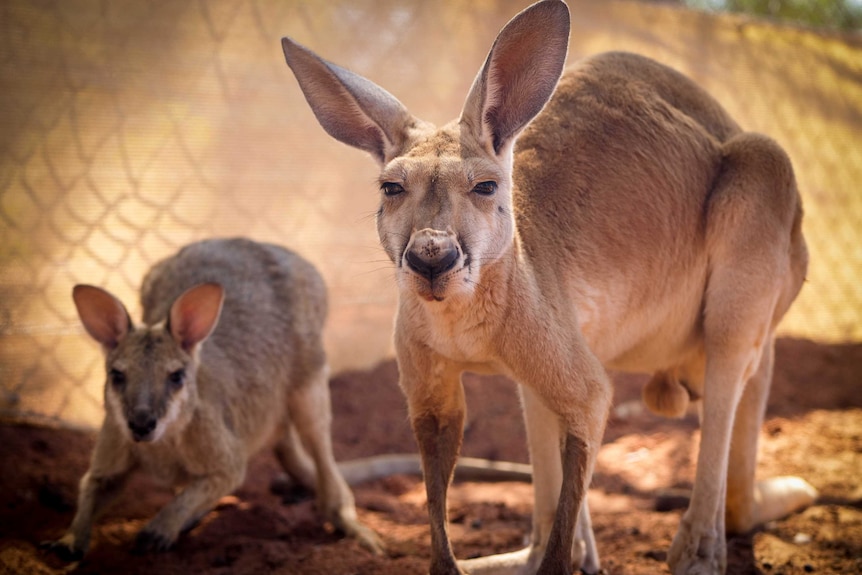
149 541
64 548
366 537
693 553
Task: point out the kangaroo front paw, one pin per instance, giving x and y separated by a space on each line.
697 553
149 540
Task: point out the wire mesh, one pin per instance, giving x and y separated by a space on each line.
131 128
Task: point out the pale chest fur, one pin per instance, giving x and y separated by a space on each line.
460 331
197 450
167 462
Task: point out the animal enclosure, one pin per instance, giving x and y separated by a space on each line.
130 128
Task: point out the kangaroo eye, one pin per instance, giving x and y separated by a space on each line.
176 378
391 189
485 188
117 378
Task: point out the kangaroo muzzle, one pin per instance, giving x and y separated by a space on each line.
431 254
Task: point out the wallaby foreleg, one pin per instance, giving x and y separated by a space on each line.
186 509
95 494
109 469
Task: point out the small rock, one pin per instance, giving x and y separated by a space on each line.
802 538
672 499
660 556
628 410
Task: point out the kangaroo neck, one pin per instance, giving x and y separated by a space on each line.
465 328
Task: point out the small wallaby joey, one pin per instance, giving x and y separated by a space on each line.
229 353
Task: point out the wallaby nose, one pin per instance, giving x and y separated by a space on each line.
141 424
431 253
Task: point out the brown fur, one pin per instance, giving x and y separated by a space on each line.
632 226
261 369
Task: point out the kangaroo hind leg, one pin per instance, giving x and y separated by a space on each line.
752 216
749 502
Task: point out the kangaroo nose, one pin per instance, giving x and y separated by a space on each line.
432 255
141 424
432 267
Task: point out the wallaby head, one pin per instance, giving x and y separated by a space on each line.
151 386
446 193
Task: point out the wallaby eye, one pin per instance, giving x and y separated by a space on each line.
485 188
391 189
176 378
117 378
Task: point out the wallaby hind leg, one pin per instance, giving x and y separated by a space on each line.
295 461
311 413
751 503
750 215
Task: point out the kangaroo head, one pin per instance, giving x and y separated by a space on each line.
151 370
446 193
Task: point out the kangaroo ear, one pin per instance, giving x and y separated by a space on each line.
519 75
194 314
103 315
351 109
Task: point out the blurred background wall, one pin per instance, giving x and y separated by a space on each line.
130 128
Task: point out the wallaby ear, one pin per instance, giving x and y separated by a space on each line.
104 316
519 75
194 314
351 109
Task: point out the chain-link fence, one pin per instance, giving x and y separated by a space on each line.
130 128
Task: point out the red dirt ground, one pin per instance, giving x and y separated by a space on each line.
814 429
